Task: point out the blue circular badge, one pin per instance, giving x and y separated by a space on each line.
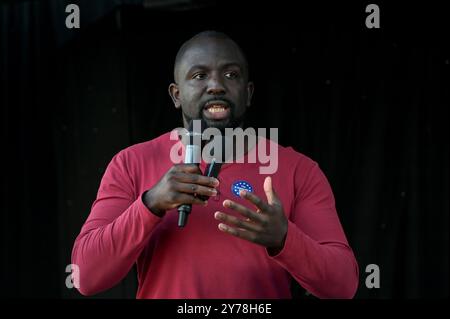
238 185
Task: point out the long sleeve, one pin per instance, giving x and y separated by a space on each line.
316 252
115 233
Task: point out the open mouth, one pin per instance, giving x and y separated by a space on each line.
216 110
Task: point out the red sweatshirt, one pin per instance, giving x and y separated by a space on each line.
200 261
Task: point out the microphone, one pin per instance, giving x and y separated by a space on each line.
193 153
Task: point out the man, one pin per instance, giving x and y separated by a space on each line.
252 236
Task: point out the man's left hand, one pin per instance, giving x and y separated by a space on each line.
267 226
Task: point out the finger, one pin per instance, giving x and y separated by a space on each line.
188 168
195 189
239 233
239 223
272 197
258 202
182 198
256 217
196 179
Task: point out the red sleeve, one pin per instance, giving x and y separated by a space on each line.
115 232
316 252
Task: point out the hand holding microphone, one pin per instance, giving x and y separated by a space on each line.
184 184
179 186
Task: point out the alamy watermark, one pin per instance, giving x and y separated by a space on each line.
373 279
373 19
73 19
229 147
73 279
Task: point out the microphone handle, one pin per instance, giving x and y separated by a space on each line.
192 156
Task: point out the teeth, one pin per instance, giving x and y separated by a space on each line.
216 109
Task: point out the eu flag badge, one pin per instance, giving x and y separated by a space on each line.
238 185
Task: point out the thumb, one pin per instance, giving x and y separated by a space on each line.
272 197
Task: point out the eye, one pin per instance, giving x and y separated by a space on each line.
231 75
199 76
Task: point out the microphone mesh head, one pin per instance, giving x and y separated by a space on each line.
194 133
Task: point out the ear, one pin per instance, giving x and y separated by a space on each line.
250 89
174 93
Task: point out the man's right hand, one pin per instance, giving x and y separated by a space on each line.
179 186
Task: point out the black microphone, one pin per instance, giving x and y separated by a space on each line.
193 153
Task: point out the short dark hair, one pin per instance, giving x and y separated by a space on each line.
207 34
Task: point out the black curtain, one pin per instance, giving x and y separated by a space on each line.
368 105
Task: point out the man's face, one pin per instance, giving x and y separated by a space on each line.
212 83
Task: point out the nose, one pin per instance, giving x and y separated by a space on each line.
215 86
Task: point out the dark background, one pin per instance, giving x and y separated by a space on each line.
369 105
